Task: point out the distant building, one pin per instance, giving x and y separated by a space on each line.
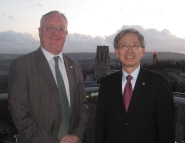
4 72
155 58
102 61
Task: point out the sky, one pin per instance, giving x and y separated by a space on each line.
93 23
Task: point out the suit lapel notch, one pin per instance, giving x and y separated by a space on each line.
46 72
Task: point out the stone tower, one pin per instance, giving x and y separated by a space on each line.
102 61
155 58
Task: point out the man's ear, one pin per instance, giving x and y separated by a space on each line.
143 51
39 29
116 52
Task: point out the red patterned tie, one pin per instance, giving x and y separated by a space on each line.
127 92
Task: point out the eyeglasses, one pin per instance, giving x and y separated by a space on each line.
51 29
132 47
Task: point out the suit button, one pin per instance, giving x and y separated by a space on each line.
126 124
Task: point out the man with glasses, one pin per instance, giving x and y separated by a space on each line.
134 105
46 92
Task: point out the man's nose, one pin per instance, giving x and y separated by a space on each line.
55 31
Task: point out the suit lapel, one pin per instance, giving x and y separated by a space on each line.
138 93
70 75
46 72
117 90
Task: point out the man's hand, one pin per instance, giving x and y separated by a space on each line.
69 139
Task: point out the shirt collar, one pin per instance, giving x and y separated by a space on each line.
134 74
50 56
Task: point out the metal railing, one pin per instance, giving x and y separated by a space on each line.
92 93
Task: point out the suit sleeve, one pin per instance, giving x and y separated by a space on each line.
165 113
101 119
83 109
20 107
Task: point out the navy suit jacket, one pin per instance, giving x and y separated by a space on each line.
150 116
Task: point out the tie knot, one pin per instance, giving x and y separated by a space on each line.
56 58
129 77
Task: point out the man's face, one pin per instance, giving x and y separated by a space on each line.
130 58
54 41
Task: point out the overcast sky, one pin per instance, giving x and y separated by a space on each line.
93 23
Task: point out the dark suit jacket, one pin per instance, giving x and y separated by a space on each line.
150 117
34 100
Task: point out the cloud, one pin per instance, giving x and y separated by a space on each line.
12 42
82 43
36 5
40 5
11 17
160 41
5 15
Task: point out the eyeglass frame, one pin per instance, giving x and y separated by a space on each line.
53 29
132 47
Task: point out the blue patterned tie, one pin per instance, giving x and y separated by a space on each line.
64 102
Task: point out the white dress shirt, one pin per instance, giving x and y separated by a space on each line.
134 74
62 68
